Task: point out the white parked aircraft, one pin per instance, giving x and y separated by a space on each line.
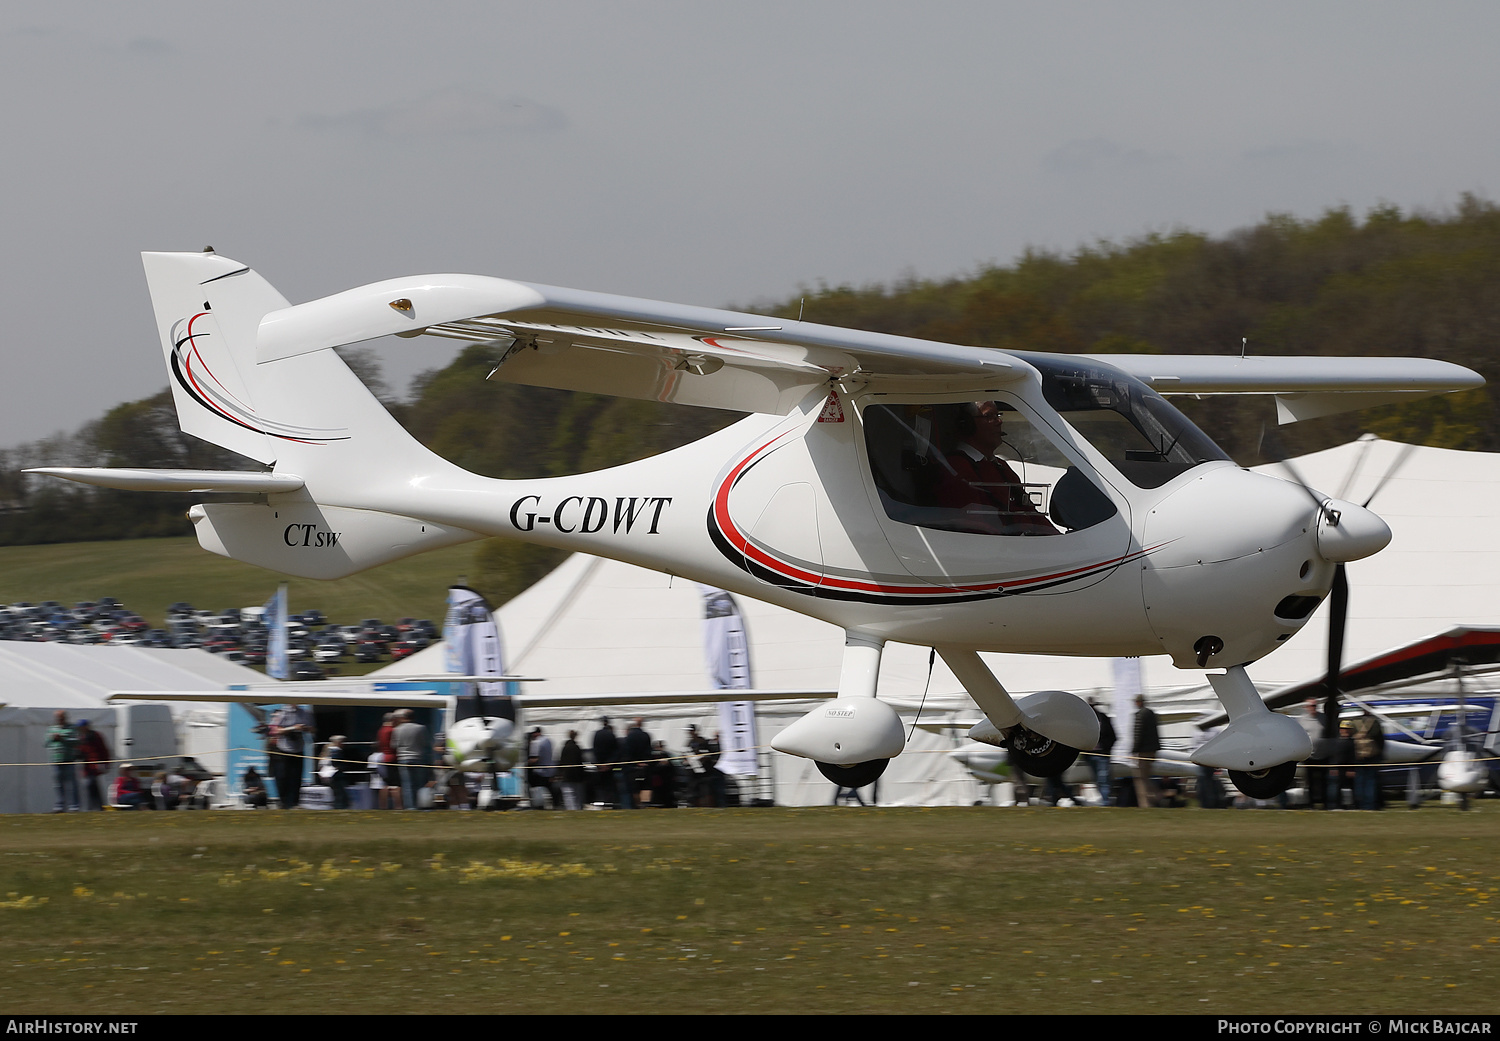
964 498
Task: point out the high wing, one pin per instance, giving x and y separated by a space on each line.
576 340
1305 388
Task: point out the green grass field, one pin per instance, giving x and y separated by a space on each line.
957 910
149 574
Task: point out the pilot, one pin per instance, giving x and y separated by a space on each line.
983 485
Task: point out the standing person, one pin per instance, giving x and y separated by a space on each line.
1101 760
1147 744
699 794
94 752
606 753
289 730
634 753
662 777
540 768
413 743
570 772
1369 753
1315 767
708 782
335 770
384 762
62 747
1341 769
716 793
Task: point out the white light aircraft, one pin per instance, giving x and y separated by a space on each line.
964 498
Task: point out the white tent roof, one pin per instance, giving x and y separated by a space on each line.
60 675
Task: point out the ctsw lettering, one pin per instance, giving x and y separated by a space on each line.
310 535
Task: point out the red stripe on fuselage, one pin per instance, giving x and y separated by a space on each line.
742 543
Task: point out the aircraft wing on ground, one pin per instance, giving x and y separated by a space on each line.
572 339
669 697
301 696
432 699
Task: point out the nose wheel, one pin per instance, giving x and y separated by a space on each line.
1265 784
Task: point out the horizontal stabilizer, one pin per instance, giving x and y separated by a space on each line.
174 480
313 541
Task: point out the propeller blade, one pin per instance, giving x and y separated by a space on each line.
1270 447
1406 451
1338 618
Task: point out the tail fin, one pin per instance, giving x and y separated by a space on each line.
308 415
212 381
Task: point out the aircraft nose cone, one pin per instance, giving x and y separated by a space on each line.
1347 531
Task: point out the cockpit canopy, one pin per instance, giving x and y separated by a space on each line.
1145 438
989 468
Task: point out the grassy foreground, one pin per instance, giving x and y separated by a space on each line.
813 910
147 575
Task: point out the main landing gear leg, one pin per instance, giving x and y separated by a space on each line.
853 737
1010 727
1259 748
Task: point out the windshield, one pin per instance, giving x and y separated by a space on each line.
1131 425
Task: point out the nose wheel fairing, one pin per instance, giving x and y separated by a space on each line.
1259 748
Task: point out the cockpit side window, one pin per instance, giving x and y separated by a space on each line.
980 467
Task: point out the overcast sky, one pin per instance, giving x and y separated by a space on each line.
708 153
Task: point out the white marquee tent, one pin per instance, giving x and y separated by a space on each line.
36 679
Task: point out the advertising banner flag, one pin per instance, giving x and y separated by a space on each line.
473 639
278 656
727 654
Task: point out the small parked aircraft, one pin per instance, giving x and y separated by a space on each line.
964 498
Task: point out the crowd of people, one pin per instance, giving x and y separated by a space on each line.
1344 768
406 768
627 772
632 769
75 749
